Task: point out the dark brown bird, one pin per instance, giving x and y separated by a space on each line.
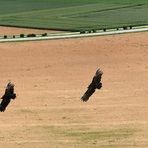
6 98
95 84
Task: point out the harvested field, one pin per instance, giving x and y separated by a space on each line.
51 76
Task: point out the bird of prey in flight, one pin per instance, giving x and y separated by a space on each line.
95 84
8 95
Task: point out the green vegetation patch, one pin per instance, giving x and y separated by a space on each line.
87 137
108 135
73 15
77 136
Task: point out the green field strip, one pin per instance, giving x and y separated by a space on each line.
62 11
17 6
87 16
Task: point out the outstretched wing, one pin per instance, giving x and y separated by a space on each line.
4 104
8 95
95 84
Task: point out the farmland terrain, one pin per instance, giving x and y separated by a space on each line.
51 76
74 16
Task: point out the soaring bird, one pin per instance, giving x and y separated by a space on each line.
8 95
95 84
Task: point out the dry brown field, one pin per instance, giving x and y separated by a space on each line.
51 76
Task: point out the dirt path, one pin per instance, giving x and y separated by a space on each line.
51 76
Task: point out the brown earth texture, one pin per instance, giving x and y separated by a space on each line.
17 31
51 76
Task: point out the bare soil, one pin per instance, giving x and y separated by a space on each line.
51 76
18 31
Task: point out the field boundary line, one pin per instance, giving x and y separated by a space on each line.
76 35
